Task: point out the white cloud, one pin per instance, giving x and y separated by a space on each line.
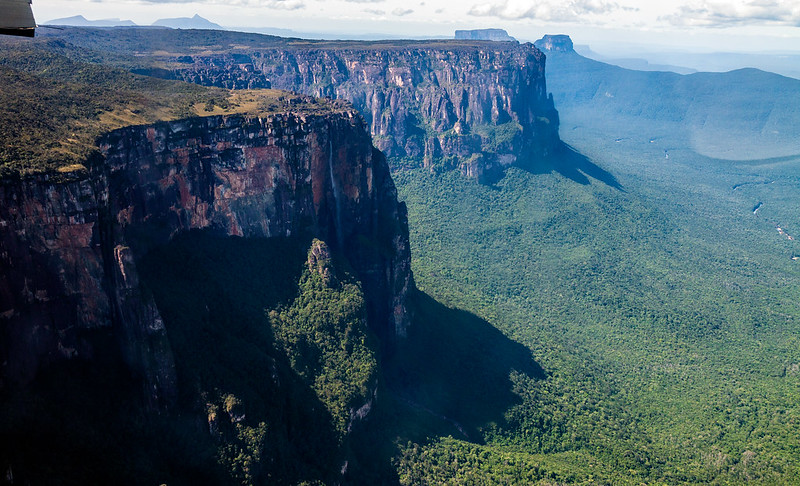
282 4
736 13
273 4
399 12
549 10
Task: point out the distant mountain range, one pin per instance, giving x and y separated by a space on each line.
784 63
636 63
196 22
81 21
740 114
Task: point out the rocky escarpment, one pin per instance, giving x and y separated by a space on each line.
69 249
555 43
437 102
497 35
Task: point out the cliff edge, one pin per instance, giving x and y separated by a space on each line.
70 248
475 105
423 103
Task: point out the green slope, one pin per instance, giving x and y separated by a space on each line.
661 307
742 114
666 346
55 100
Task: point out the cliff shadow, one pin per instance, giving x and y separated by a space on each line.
213 292
573 165
449 377
454 368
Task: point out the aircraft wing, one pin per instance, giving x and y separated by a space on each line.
16 18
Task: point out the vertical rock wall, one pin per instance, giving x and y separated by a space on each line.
69 249
421 100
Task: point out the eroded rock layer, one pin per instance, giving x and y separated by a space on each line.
422 100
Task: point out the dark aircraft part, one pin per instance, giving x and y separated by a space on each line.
19 32
16 18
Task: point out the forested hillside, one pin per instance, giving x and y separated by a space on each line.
657 287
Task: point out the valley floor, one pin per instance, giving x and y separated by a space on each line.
663 310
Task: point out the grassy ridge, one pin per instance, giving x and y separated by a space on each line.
53 107
158 42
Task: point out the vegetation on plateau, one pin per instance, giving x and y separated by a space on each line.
54 106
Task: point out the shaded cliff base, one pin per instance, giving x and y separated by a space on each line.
243 413
573 165
450 378
489 168
251 409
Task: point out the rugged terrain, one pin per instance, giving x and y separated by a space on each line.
662 303
477 105
76 303
620 312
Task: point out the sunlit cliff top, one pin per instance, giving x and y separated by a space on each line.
53 108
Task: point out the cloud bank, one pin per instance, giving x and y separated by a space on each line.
550 10
736 13
273 4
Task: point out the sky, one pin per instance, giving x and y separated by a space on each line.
699 25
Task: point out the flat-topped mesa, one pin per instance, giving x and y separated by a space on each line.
555 43
72 247
431 101
497 35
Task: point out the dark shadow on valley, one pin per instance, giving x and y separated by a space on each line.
454 368
212 292
574 166
449 377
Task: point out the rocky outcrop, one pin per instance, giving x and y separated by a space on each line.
437 102
69 249
497 35
555 43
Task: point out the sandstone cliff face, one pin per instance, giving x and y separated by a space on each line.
556 43
424 101
52 281
497 35
69 250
